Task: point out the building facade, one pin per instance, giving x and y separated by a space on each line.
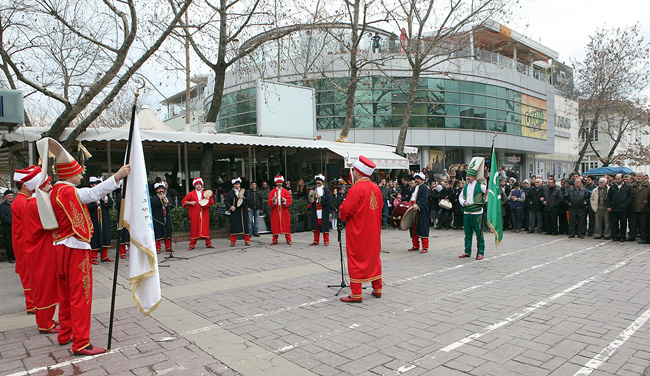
502 87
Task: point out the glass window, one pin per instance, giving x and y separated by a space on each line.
383 121
466 86
436 84
467 111
380 108
452 110
452 85
491 90
436 122
452 122
479 112
452 97
382 95
479 100
324 123
338 122
363 96
479 88
419 121
491 114
362 122
362 109
466 99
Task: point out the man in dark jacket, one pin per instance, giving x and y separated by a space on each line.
577 197
254 207
534 201
590 185
5 218
619 199
385 197
639 208
419 197
552 199
319 210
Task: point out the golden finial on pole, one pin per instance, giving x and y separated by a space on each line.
137 91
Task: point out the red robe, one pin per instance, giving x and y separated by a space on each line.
18 234
362 210
280 215
41 254
199 216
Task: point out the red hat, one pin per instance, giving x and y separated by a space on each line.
364 166
33 178
21 176
196 181
278 178
45 182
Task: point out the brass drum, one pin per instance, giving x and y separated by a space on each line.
403 216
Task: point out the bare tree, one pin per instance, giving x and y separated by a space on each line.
619 120
78 57
436 32
215 31
614 72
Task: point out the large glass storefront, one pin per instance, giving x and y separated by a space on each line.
380 102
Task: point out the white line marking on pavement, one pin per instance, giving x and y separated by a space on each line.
168 370
457 292
409 279
608 351
516 316
58 365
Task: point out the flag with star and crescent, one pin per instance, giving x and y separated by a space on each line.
494 218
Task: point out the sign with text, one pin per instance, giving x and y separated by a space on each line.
533 117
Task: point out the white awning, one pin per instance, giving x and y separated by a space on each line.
382 155
384 159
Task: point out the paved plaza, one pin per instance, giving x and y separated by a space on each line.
537 305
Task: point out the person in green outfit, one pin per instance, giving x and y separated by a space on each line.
472 198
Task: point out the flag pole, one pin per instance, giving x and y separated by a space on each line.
121 227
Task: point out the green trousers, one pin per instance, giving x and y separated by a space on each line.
472 224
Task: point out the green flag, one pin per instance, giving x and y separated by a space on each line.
494 219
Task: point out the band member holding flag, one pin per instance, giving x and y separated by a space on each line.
198 205
18 235
494 218
42 260
72 241
419 197
279 201
362 211
238 199
101 218
161 210
472 198
319 199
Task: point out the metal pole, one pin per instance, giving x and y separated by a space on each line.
250 163
108 158
187 171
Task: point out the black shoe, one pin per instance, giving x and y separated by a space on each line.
630 239
614 239
531 232
256 235
644 242
554 234
581 236
605 238
596 237
571 236
12 261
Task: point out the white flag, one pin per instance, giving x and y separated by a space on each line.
136 214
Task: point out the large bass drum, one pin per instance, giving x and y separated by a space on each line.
403 216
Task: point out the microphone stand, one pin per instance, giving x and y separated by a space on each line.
342 285
171 254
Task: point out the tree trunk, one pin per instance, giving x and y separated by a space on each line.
406 118
354 73
583 150
206 165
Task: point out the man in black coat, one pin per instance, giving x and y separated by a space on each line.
553 197
420 199
619 199
534 201
577 197
5 218
255 205
161 211
101 219
237 201
319 210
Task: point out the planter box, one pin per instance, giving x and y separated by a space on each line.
185 236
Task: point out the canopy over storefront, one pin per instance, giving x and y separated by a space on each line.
608 170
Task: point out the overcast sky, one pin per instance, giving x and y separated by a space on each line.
565 25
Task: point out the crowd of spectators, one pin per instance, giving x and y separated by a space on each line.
611 207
